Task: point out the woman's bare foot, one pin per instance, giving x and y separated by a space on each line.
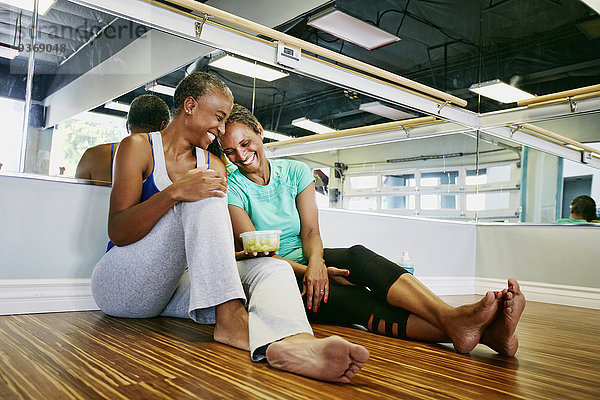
231 327
501 335
466 324
332 359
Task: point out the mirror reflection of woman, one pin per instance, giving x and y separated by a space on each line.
280 194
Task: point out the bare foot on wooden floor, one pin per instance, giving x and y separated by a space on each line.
501 335
332 359
466 324
231 327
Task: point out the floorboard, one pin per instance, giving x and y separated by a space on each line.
88 355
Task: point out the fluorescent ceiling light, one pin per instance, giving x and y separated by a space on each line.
500 91
351 29
593 4
382 110
276 136
113 105
27 5
243 67
309 125
158 88
8 51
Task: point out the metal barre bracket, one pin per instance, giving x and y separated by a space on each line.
572 104
440 106
198 25
406 131
512 131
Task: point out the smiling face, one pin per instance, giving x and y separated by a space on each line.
207 116
243 147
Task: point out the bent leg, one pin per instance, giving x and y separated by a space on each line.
275 309
137 281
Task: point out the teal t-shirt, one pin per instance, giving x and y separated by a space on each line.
274 206
569 220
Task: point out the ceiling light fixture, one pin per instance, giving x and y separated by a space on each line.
593 4
158 88
8 51
309 125
500 91
27 5
382 110
247 68
276 136
113 105
351 29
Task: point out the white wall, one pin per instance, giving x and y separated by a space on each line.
51 230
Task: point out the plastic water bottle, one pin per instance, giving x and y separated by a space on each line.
405 262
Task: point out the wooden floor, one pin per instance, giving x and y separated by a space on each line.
88 355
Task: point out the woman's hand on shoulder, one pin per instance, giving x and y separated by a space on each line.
200 183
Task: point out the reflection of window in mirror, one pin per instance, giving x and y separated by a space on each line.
11 114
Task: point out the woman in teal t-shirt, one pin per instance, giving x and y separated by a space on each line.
350 285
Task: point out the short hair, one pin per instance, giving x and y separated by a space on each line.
585 207
196 85
147 112
242 115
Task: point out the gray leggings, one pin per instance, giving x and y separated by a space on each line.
149 277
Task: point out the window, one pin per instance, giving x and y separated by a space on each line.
476 179
72 137
488 201
439 178
500 173
398 202
362 203
405 180
363 182
438 202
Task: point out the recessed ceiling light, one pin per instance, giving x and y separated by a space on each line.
276 136
27 5
158 88
8 51
309 125
351 29
382 110
247 68
113 105
593 4
500 91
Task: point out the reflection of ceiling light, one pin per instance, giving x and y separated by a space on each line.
27 5
500 91
113 105
593 4
8 51
377 108
158 88
351 29
276 136
309 125
243 67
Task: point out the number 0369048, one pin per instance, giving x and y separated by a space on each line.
43 48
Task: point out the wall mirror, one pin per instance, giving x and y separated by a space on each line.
88 60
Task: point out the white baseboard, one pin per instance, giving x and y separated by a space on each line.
448 285
577 296
27 296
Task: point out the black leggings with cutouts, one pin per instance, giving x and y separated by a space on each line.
372 275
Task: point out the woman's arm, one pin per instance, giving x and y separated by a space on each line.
316 281
128 219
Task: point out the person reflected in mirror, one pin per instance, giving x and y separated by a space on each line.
350 285
147 113
173 252
583 209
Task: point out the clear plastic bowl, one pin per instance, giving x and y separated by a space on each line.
260 241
